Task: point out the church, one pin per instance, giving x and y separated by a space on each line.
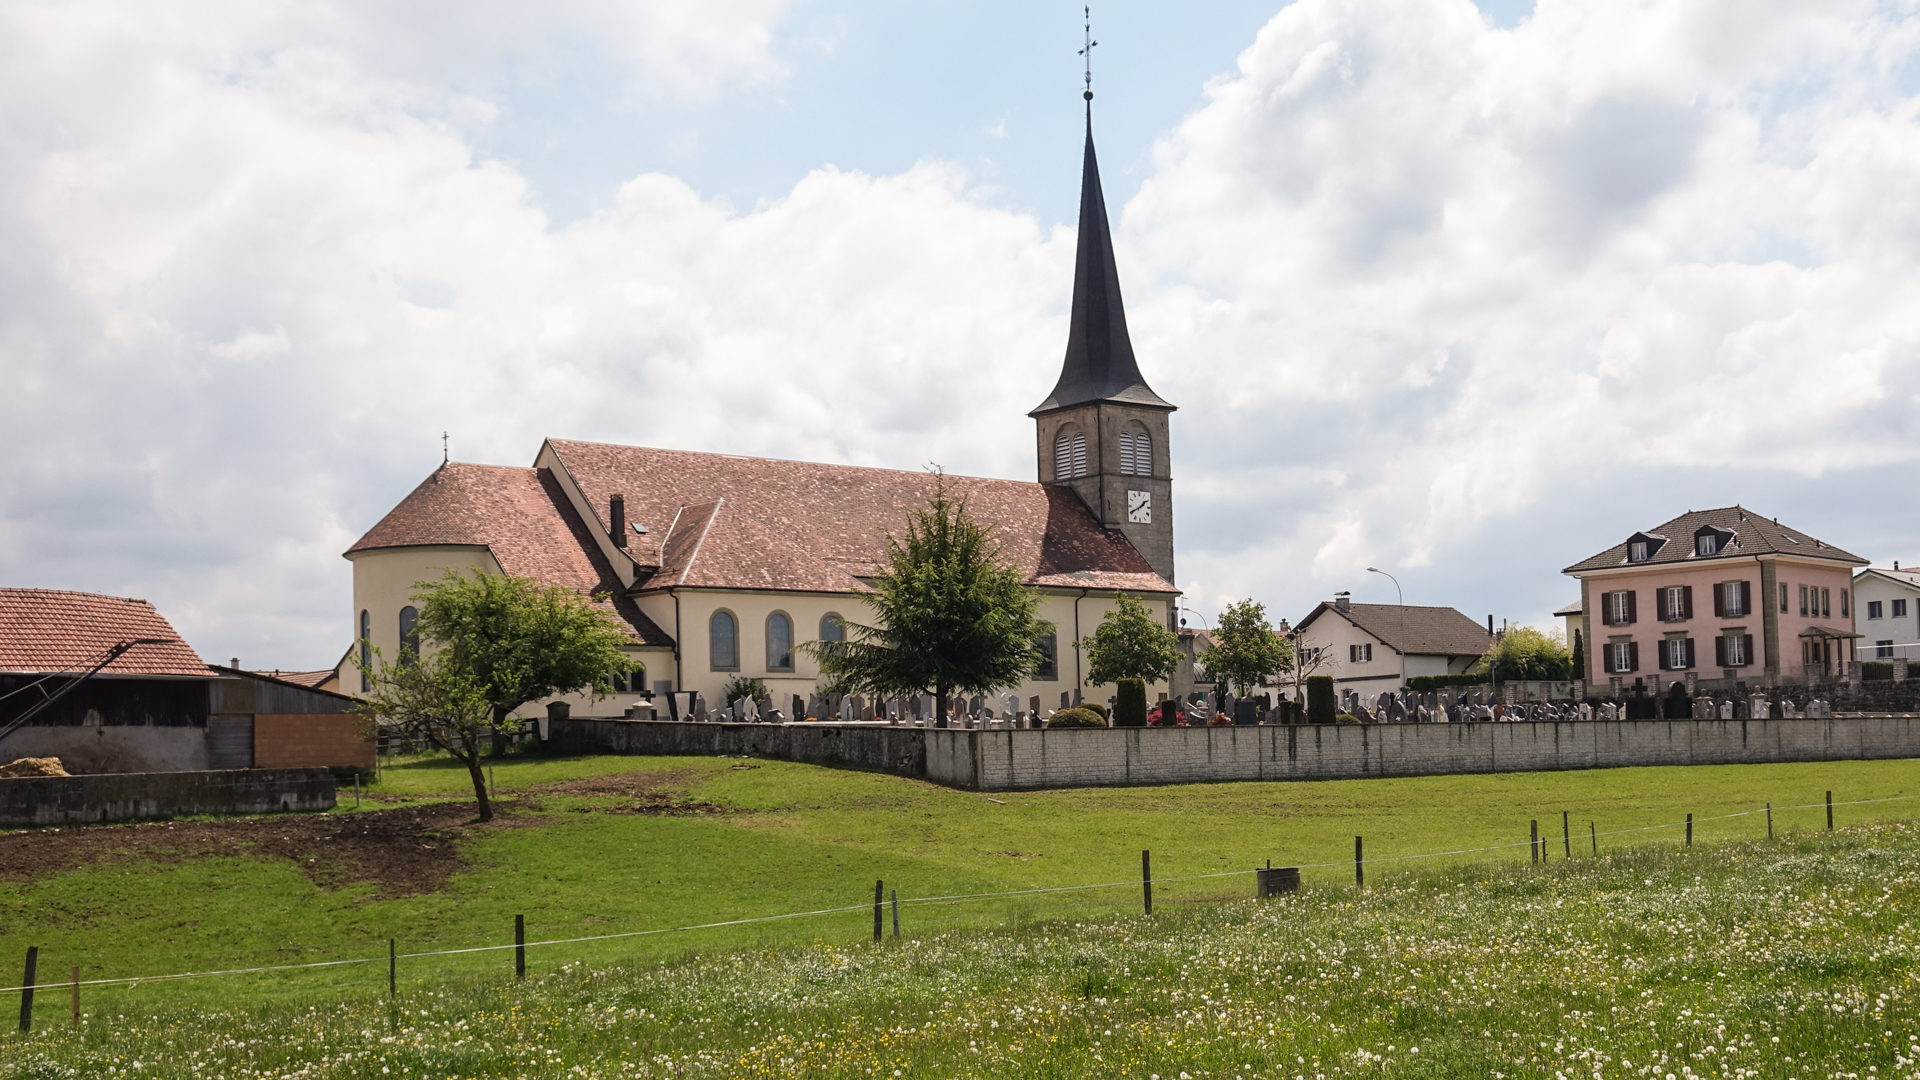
719 566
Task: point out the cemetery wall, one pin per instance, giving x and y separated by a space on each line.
76 800
1009 759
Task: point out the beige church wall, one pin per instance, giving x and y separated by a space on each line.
751 609
383 583
657 661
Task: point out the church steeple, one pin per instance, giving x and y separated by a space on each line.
1099 365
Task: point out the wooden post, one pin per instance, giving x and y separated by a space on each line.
76 996
26 989
1359 865
519 946
1146 879
1689 830
1566 833
393 970
1829 811
1533 839
894 895
1769 821
1594 836
356 789
879 898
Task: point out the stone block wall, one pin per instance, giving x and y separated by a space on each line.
76 800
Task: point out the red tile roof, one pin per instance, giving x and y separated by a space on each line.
772 524
521 517
1752 535
44 630
309 679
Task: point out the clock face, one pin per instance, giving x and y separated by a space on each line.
1140 507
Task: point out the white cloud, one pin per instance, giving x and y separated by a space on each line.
1426 290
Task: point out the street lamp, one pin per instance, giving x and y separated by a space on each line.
1203 618
1403 620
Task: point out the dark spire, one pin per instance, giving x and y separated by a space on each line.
1099 365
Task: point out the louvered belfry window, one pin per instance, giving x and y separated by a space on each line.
1069 455
1136 453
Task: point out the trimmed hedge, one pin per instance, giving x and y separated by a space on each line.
1130 703
1876 671
1321 703
1094 707
1423 683
1078 717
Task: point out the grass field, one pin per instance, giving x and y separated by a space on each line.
1792 958
592 846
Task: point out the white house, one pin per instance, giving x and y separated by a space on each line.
1369 648
1886 613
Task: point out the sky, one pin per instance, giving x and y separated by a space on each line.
1466 293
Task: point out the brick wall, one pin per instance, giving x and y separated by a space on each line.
1000 760
75 800
312 740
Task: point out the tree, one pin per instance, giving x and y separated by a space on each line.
1524 652
1246 653
435 700
951 615
1579 656
1130 644
501 640
1307 662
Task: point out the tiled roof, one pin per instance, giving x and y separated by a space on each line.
772 524
523 518
1414 629
309 679
1910 578
1753 535
1574 608
44 630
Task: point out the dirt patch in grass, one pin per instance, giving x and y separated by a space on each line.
649 794
412 849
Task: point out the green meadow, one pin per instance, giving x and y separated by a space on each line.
590 847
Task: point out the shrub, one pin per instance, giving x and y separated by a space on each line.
1130 703
1347 718
1094 707
1876 671
1320 699
1286 711
737 688
1077 717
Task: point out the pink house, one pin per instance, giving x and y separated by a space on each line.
1718 594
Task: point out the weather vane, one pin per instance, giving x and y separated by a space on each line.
1087 52
445 455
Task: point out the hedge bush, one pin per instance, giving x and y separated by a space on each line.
1078 717
1130 703
1877 671
1425 683
1321 705
1094 707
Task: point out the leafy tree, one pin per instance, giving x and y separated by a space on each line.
1525 652
501 639
951 615
1130 703
1246 653
1130 644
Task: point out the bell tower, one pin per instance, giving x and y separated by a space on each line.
1103 431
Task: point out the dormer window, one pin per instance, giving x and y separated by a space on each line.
1710 541
1642 546
1637 551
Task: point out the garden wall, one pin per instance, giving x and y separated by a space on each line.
1004 759
76 800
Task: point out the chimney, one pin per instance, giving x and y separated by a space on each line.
1896 564
1489 625
236 664
1342 601
617 520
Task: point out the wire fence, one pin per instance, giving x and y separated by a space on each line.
1146 882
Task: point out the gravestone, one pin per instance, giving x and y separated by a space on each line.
700 706
1726 710
847 712
1677 706
1396 711
1246 712
1820 709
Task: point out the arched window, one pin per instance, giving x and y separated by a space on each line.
723 641
831 628
1069 454
366 651
1136 452
779 642
409 636
635 680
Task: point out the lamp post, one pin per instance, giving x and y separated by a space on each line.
1403 620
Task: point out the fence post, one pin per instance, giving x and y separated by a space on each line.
1829 811
519 946
879 897
76 996
26 989
1359 865
393 970
1566 833
1593 835
1769 821
1533 839
895 896
1146 879
1689 830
